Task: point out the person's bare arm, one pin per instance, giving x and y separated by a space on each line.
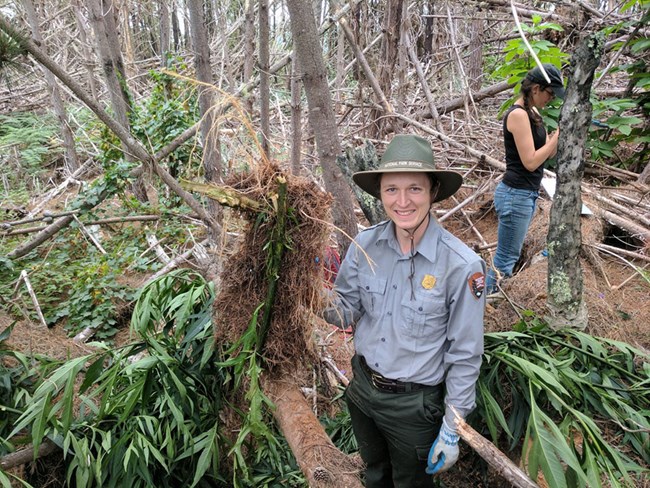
519 125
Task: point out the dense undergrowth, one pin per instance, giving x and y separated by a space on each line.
151 413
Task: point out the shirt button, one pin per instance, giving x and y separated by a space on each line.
376 365
389 313
419 309
367 288
383 339
394 287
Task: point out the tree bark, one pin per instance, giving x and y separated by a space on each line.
226 64
209 128
475 62
249 48
164 32
321 462
459 102
296 119
26 455
103 23
321 116
71 160
565 282
428 7
498 460
391 28
176 30
265 90
108 49
362 158
120 11
86 51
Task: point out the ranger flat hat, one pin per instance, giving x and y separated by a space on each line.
536 76
408 153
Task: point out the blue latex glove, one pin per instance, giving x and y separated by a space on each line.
444 451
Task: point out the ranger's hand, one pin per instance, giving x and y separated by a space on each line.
444 451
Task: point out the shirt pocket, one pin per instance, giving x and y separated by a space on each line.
372 290
424 317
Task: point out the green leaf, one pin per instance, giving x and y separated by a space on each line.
206 458
92 373
493 413
6 332
591 467
67 403
617 122
6 482
545 378
639 45
545 449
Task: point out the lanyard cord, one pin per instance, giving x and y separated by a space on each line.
412 255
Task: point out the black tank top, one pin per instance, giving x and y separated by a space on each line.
517 176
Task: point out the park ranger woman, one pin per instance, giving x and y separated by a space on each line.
414 295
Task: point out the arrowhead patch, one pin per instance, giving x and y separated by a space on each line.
476 284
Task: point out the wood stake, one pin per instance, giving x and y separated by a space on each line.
337 372
89 234
495 458
24 277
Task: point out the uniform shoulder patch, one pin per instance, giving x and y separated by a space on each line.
476 284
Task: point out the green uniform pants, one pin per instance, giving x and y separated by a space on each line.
394 431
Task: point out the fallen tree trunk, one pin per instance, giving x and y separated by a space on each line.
110 220
638 231
56 226
26 455
321 462
459 102
495 458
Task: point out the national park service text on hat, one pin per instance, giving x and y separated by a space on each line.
408 153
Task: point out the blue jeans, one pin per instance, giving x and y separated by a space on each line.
515 209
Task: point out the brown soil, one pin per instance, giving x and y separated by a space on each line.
617 296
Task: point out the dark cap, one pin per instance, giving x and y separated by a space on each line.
536 76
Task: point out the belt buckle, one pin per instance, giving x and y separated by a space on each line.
375 383
384 384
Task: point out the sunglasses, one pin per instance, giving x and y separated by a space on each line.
550 92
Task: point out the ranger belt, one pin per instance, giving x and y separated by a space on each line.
389 385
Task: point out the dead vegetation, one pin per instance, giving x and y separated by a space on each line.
245 273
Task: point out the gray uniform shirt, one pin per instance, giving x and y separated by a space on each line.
426 330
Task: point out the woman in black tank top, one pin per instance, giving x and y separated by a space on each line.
527 148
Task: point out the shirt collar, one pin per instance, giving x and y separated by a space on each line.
428 245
